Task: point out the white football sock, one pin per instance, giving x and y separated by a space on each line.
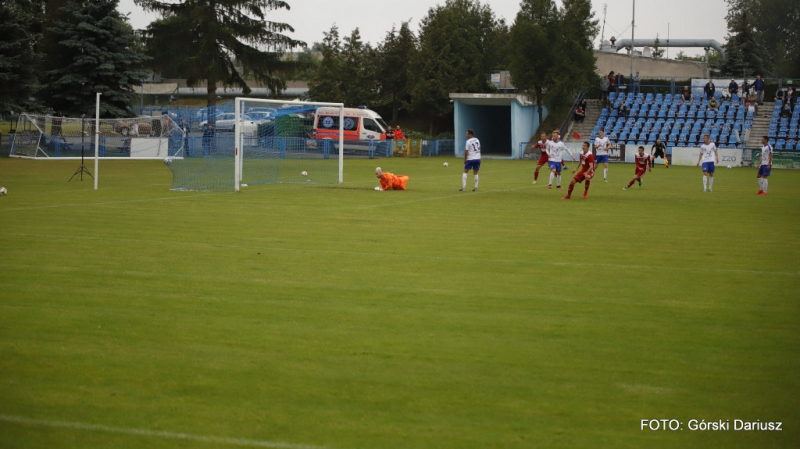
605 173
711 183
558 180
705 182
476 180
464 181
552 175
766 183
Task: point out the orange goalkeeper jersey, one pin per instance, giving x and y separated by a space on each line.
392 181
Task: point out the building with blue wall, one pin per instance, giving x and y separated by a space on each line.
502 122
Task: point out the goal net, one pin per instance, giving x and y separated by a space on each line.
49 136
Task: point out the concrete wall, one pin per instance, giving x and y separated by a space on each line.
500 122
648 67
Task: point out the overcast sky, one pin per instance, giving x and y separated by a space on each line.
682 19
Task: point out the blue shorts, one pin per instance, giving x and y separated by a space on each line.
601 159
555 166
763 170
708 167
473 164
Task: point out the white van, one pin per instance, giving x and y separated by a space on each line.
359 124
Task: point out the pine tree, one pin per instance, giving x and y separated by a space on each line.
359 73
19 32
326 84
220 40
397 51
95 53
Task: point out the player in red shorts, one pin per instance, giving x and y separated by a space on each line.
643 163
542 146
586 173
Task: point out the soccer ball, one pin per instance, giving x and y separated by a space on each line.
167 161
729 167
304 173
445 164
3 191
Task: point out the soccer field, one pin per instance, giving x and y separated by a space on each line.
323 316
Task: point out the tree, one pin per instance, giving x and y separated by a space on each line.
454 56
765 34
95 53
219 40
553 56
658 52
359 80
325 86
19 69
397 51
744 43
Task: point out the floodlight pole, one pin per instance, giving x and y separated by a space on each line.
633 27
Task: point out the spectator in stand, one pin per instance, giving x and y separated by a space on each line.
759 86
712 104
619 82
637 83
604 84
623 110
709 89
580 114
786 110
398 133
726 95
751 102
686 95
790 97
779 95
733 88
611 81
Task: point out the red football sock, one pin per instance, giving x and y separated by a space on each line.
586 187
569 191
536 175
632 181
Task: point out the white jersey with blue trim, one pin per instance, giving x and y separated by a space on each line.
766 152
601 146
708 152
473 149
556 150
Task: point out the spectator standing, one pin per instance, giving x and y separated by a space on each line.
604 84
790 97
208 140
759 86
637 83
619 82
390 140
709 89
398 133
612 80
733 88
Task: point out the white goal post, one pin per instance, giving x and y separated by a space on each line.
241 128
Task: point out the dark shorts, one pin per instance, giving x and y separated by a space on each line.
473 164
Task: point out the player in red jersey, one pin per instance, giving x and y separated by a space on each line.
644 162
586 173
541 145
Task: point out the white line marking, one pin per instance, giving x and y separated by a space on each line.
156 433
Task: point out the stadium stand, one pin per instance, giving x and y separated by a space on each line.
784 132
664 116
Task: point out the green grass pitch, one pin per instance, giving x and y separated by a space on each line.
325 316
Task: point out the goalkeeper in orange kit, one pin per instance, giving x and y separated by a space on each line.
390 180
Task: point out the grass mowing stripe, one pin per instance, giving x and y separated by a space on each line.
408 256
156 433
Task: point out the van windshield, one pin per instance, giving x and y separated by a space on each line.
382 123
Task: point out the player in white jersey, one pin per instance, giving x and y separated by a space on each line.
601 145
765 167
556 150
708 156
472 160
